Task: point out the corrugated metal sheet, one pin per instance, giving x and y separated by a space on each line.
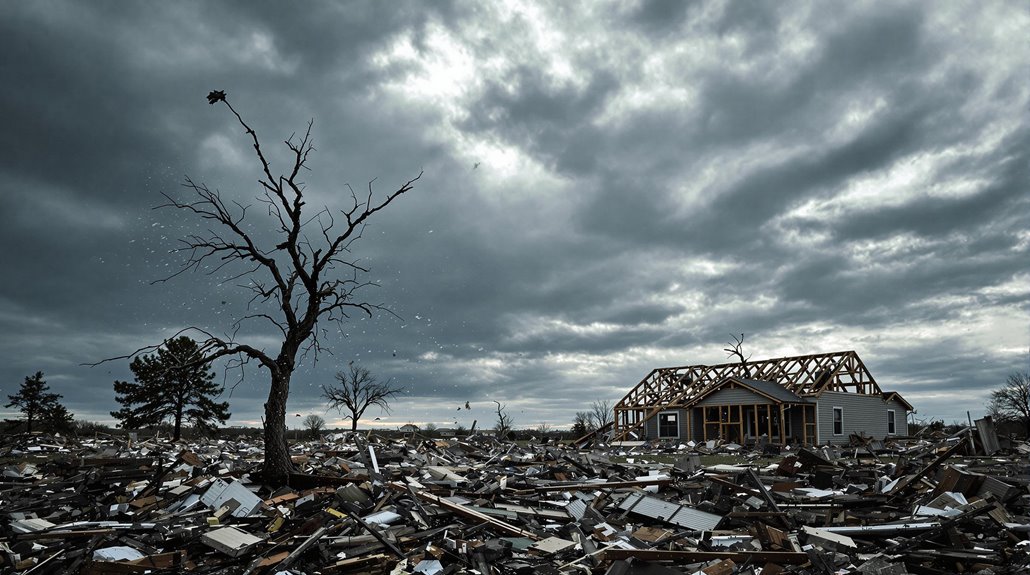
577 508
681 515
221 492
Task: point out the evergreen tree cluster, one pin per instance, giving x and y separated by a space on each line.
39 405
173 385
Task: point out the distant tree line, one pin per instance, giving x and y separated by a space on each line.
599 415
172 393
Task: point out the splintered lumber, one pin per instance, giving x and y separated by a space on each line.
375 533
911 479
470 513
311 540
988 436
790 557
658 480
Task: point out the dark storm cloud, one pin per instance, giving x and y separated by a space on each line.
605 189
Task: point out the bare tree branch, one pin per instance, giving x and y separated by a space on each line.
356 391
292 281
504 421
1011 401
737 351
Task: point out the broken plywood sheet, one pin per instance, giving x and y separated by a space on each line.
551 545
230 540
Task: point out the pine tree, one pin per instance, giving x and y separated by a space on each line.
38 404
170 385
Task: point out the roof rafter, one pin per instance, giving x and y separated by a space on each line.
803 375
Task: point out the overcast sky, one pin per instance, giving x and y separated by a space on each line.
608 187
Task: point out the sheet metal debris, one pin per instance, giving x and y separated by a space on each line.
376 504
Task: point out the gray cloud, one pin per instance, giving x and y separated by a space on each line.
605 190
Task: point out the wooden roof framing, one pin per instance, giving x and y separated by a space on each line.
804 375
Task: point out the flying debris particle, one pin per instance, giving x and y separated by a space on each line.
215 96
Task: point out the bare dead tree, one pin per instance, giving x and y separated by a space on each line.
737 350
1011 401
303 275
582 424
504 421
356 391
601 413
314 423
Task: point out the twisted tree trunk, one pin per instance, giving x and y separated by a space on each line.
278 466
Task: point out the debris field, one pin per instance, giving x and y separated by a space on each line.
364 503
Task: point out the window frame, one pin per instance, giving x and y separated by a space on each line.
837 409
676 414
892 422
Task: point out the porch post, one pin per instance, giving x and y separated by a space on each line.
783 429
740 426
804 425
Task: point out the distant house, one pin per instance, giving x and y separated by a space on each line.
408 428
810 399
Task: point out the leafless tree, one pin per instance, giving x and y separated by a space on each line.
582 424
357 390
601 413
303 275
504 421
314 424
737 350
1011 401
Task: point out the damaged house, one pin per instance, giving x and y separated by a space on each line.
809 399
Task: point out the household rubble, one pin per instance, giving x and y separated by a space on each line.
365 503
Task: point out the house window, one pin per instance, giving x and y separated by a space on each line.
838 421
668 424
891 426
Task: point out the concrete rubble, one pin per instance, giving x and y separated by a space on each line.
369 503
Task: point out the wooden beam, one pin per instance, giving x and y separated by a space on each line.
469 513
793 558
804 425
783 430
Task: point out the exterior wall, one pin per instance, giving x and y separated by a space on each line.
865 414
737 396
651 426
900 417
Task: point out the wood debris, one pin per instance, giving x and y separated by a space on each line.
405 504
